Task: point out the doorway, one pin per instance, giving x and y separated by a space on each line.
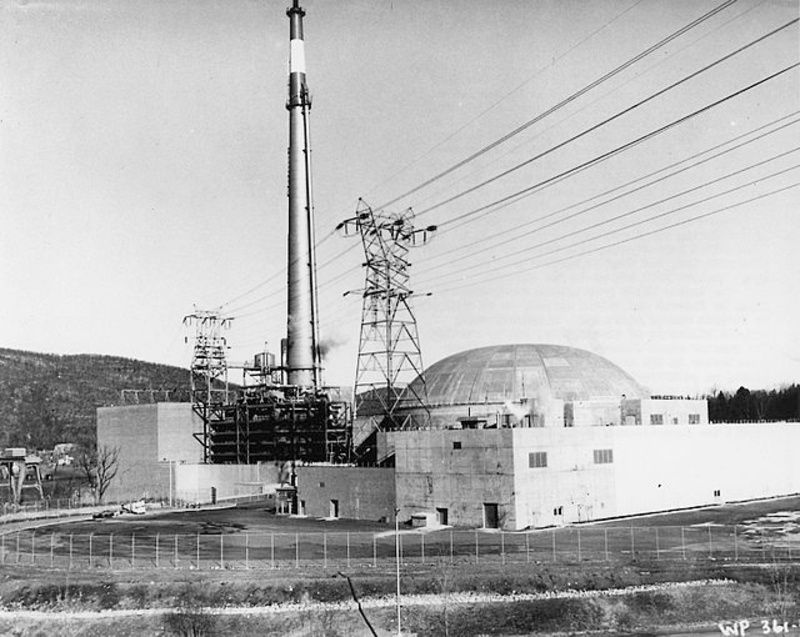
334 509
441 516
491 519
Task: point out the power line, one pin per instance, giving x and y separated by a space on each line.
589 104
516 228
503 98
486 208
632 238
608 120
563 102
274 276
636 224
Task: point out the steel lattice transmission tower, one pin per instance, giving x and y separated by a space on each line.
209 369
389 354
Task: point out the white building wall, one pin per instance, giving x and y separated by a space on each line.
571 487
194 482
653 469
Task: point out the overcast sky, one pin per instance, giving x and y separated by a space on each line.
143 171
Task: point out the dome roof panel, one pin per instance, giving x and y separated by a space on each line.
510 372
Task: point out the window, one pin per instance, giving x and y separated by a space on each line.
656 419
537 459
694 419
717 493
603 456
558 511
456 444
675 420
321 485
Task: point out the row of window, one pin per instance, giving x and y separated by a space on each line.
658 419
538 459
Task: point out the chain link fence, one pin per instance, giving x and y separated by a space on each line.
239 550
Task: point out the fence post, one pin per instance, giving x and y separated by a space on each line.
736 546
605 543
348 549
70 551
633 543
324 549
272 549
527 547
111 552
91 537
763 549
554 545
683 543
3 546
710 545
422 547
246 551
197 550
297 550
579 545
658 548
18 533
133 550
52 549
33 547
451 546
502 547
477 557
176 550
221 550
157 537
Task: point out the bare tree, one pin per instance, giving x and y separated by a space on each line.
100 467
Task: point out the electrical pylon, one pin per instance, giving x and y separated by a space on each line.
209 369
389 354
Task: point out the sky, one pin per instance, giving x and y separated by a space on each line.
143 174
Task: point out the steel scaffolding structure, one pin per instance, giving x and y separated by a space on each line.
389 354
209 369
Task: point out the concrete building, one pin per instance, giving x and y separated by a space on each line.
363 493
532 477
535 435
159 457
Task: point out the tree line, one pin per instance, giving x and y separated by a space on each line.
758 404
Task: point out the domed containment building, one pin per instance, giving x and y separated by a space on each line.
526 385
531 435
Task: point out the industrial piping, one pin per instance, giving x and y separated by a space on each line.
301 333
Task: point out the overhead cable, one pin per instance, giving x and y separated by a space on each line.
615 151
628 239
515 229
672 211
608 120
525 82
564 102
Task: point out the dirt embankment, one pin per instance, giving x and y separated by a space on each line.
442 600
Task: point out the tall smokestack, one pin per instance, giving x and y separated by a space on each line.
301 355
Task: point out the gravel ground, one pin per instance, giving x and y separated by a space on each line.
367 602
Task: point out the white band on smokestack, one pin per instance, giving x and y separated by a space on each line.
297 57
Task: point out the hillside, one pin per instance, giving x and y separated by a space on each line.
51 398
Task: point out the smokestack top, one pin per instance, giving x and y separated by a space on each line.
295 13
295 8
